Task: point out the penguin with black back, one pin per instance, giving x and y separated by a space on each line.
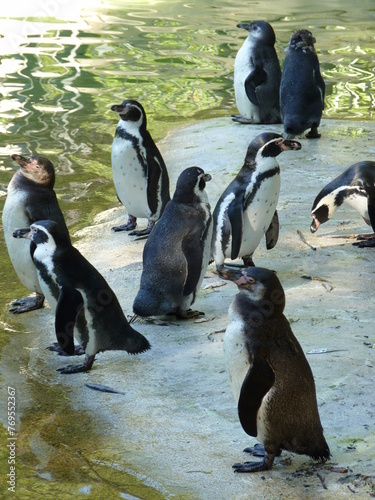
139 173
85 305
247 208
30 197
302 87
257 76
176 253
270 376
356 187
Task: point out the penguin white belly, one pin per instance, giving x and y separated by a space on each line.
262 419
258 215
359 203
46 261
242 69
91 348
235 352
14 217
219 253
129 178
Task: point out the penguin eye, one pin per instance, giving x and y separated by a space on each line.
251 280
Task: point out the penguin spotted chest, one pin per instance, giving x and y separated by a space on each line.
129 177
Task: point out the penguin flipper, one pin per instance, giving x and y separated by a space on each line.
235 215
154 171
258 381
272 233
255 78
370 191
193 254
69 304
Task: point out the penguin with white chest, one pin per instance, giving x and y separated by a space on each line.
302 87
139 172
257 76
30 197
356 187
85 305
247 208
176 254
269 374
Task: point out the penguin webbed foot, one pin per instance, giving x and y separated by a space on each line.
313 134
241 119
144 232
27 304
189 314
265 464
55 347
256 451
85 367
365 241
131 224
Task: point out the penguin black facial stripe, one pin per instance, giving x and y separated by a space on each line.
258 182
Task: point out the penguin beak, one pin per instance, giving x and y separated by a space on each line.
287 144
245 26
315 224
22 233
21 160
118 108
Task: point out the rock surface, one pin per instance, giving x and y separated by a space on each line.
176 427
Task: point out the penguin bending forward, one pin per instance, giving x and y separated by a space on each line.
355 186
85 305
269 374
247 208
176 254
139 172
30 198
257 76
302 87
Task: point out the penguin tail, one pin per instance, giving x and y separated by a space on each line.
321 454
136 343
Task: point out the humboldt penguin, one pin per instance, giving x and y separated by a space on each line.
302 87
30 198
139 172
356 187
247 208
269 374
85 305
257 76
176 254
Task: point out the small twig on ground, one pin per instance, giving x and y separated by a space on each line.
304 240
322 481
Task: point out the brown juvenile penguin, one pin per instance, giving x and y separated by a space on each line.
270 376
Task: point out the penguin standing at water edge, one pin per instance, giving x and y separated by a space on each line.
139 172
85 305
247 208
302 87
30 198
257 76
356 187
176 254
269 374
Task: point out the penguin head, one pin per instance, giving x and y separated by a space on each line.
259 285
260 31
269 144
302 39
322 210
46 233
132 112
190 186
37 169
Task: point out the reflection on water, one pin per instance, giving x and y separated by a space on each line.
63 66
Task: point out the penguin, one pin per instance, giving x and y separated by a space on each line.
85 305
269 374
302 87
139 172
355 186
176 254
30 197
247 208
257 76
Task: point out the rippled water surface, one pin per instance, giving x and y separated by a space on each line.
64 63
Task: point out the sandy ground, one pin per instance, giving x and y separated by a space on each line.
176 425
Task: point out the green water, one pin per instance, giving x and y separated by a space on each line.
62 66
